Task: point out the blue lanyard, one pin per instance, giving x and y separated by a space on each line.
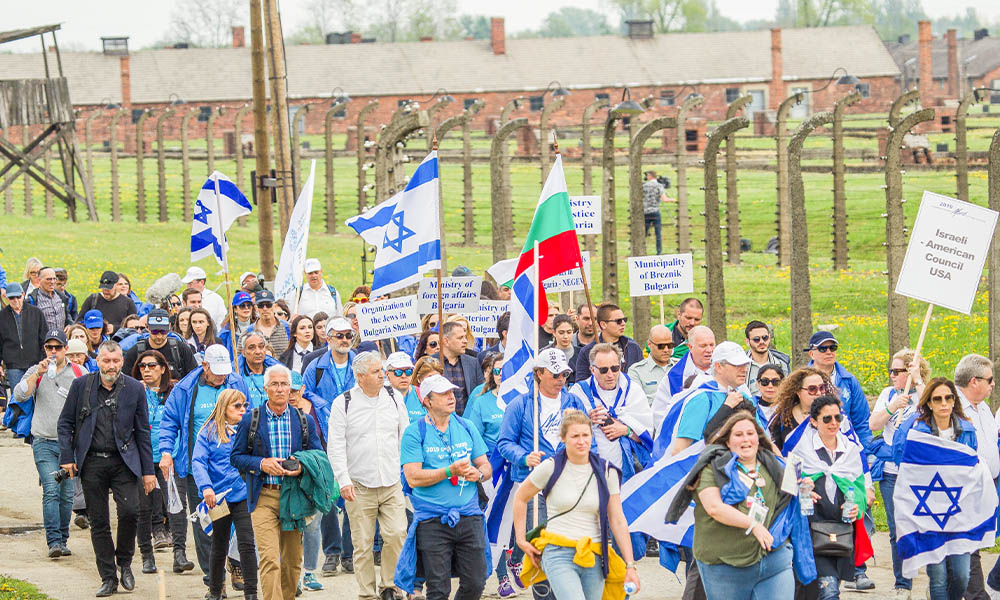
613 409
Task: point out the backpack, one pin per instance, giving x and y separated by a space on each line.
392 394
255 424
143 344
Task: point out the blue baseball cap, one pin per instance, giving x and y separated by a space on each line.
240 298
265 295
296 381
14 290
819 337
93 319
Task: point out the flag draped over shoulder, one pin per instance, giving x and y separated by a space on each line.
405 231
945 501
292 264
218 205
559 251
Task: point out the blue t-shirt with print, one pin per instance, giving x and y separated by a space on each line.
437 451
258 393
485 415
204 403
414 409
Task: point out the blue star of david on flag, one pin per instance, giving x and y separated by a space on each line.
402 234
923 492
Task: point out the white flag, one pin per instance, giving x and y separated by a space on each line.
291 266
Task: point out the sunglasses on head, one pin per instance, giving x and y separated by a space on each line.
620 321
827 348
828 418
664 346
265 305
401 372
894 372
943 399
764 381
760 338
604 370
54 347
815 390
146 365
343 335
497 370
359 300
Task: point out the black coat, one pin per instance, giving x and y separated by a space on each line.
131 426
473 373
21 352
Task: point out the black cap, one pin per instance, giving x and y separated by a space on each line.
57 335
265 295
108 280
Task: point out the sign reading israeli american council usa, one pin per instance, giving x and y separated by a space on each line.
944 259
388 318
664 274
586 214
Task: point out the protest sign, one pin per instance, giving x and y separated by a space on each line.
484 323
460 294
586 214
388 318
571 280
660 275
947 249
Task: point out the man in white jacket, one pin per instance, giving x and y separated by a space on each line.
316 295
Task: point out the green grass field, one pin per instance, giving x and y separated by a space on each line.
15 589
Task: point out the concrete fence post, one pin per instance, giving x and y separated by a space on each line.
502 228
784 216
210 137
586 158
402 125
361 151
161 165
140 171
609 233
993 259
468 202
116 207
839 195
961 146
88 143
683 211
732 192
298 123
543 133
186 163
237 139
897 105
331 199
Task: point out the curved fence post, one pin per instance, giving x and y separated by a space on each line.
683 211
362 147
116 207
590 243
210 137
400 127
543 133
609 233
88 143
186 164
238 137
502 228
961 147
993 258
784 214
298 123
897 105
468 202
839 195
331 199
732 192
161 165
140 174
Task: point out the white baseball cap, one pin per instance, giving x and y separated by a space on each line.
194 273
246 274
730 353
312 264
438 384
552 359
399 360
218 359
76 347
338 324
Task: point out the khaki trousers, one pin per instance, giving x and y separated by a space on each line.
280 551
387 506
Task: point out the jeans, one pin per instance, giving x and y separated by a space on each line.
569 580
238 518
100 475
654 220
311 541
771 577
337 538
57 498
829 588
887 486
446 551
13 378
949 578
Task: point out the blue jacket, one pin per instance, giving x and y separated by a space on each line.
517 431
966 434
212 468
174 434
155 409
248 460
855 405
327 388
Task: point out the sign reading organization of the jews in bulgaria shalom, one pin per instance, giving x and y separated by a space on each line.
947 249
388 318
660 275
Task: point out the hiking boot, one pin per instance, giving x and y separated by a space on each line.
235 574
505 589
330 565
181 563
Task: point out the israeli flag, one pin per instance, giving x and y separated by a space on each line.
945 502
201 513
405 231
219 204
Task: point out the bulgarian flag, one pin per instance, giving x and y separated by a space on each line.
558 250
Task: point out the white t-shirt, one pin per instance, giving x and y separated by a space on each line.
584 520
947 434
894 421
551 419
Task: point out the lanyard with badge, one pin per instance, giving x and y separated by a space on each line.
613 409
757 507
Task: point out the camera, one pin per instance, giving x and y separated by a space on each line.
61 475
664 181
290 464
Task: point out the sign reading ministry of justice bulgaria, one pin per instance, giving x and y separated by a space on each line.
947 249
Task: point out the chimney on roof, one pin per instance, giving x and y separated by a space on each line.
980 34
925 59
640 30
355 37
498 37
904 39
777 88
126 79
427 38
239 37
950 36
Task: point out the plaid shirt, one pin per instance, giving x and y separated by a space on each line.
456 374
279 434
53 309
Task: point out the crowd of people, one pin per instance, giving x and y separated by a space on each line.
306 451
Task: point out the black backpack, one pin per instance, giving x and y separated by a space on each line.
255 424
392 394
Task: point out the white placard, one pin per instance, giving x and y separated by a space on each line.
388 318
460 294
571 280
944 259
484 322
586 214
664 274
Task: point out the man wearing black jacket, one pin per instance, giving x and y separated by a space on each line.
22 334
104 436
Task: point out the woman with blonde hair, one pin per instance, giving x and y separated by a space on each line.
32 267
214 475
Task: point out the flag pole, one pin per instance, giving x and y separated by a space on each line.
534 326
225 270
440 202
583 272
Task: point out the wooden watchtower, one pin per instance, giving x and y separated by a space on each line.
25 102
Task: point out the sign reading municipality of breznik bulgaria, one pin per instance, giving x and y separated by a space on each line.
947 249
664 274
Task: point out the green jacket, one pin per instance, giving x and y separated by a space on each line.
314 490
680 346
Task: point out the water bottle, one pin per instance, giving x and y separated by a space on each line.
805 497
849 506
51 372
629 588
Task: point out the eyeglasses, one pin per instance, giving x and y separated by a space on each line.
279 384
894 372
432 344
947 398
988 380
828 348
815 390
620 321
265 305
344 335
604 370
498 371
760 338
359 300
664 346
145 365
33 273
764 381
158 331
240 405
829 418
401 372
54 347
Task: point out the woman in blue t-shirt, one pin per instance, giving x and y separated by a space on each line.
482 409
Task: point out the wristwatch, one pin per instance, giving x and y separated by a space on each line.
632 565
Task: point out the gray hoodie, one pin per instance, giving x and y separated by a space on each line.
50 396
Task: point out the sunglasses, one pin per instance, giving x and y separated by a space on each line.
158 331
829 418
894 372
265 305
352 316
498 371
764 381
359 300
54 347
942 399
829 348
760 338
140 328
604 370
240 405
988 380
620 321
175 304
815 390
562 375
244 306
346 335
145 365
664 346
432 344
401 372
280 313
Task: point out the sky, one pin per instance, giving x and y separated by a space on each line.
85 21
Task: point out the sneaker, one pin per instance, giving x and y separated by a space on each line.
653 548
65 551
309 582
330 565
347 564
298 589
905 594
505 589
235 575
55 551
515 573
81 521
861 583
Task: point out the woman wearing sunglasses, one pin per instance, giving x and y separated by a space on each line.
842 489
427 345
215 475
482 409
151 369
769 378
795 397
939 413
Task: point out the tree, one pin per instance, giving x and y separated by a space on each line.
894 18
570 21
823 13
206 23
327 16
474 26
668 15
